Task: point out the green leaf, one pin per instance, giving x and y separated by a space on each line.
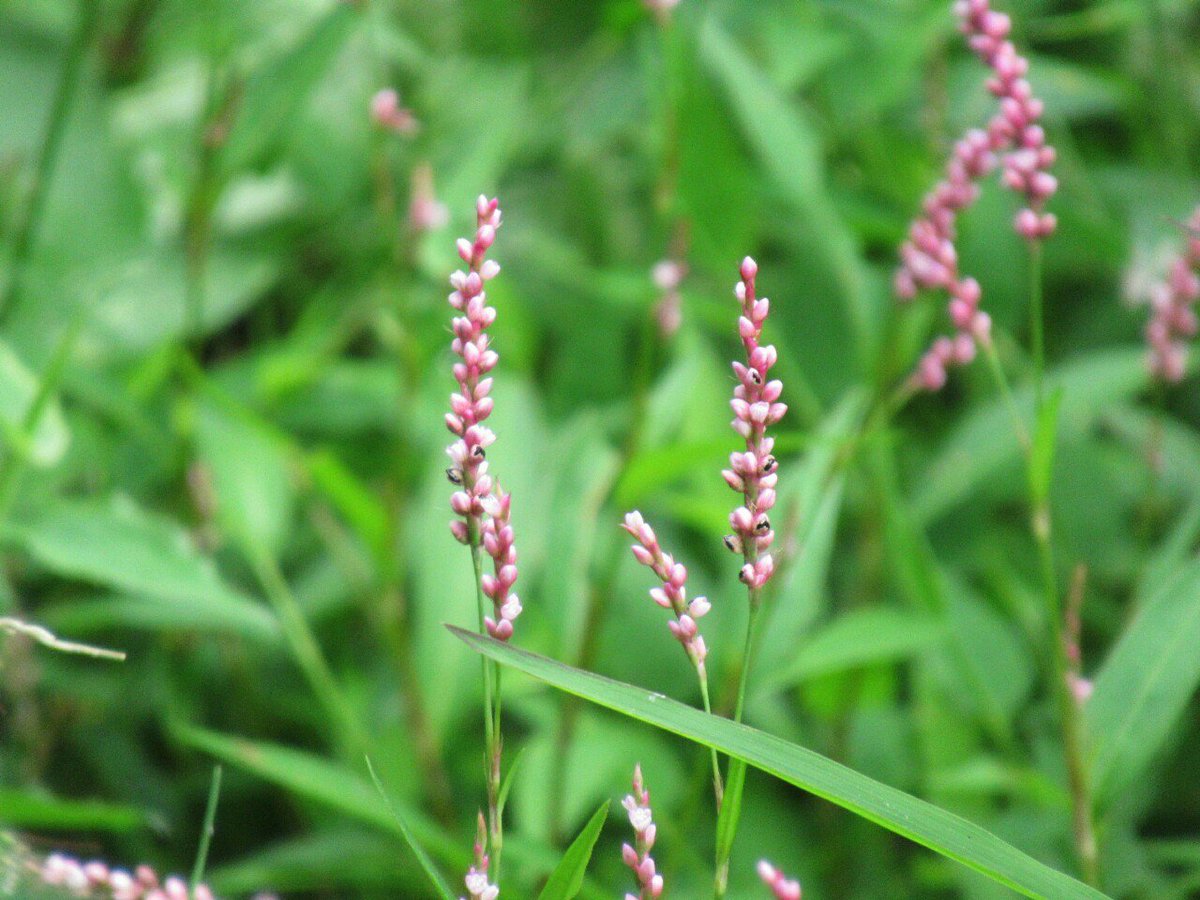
789 146
731 813
120 546
320 780
917 820
32 811
567 879
973 453
18 393
859 638
435 877
1145 684
251 477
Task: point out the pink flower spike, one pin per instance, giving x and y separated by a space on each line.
1173 310
1015 141
672 594
781 887
638 857
753 471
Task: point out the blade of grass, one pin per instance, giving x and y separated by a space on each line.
435 877
919 821
210 819
567 879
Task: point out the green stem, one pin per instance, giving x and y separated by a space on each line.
491 715
89 15
206 833
1041 525
993 358
1036 321
730 813
718 785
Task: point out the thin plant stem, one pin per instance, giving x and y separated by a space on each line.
718 784
993 358
491 716
206 832
26 231
1036 321
1041 526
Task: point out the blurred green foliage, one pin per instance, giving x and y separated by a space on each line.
224 364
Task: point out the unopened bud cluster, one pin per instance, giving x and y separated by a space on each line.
637 856
753 472
96 880
673 593
1014 137
1173 314
781 886
478 886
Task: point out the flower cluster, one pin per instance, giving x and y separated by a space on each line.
929 258
756 405
386 112
1172 303
782 887
478 886
472 405
96 879
637 857
498 542
673 593
468 409
1015 128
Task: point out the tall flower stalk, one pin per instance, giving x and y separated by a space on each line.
483 508
753 473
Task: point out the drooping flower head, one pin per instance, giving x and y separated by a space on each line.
673 593
754 471
1015 140
781 886
637 856
1173 313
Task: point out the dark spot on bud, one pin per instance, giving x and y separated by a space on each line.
769 465
742 576
731 543
763 526
454 475
478 452
755 377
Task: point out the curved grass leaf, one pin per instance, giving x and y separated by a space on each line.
567 879
908 816
435 877
1145 683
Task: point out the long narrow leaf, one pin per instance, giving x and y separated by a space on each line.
414 845
917 820
1145 683
567 879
